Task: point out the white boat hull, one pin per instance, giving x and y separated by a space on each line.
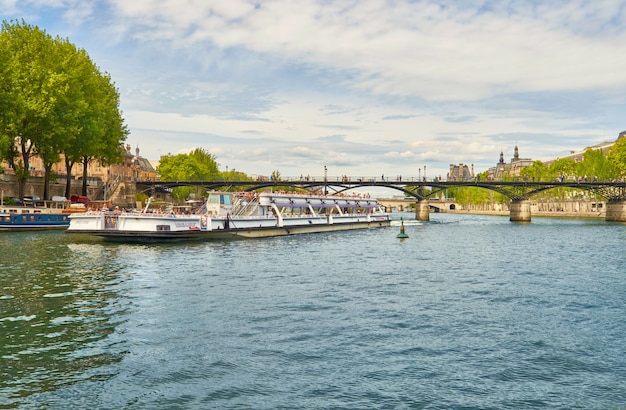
268 222
230 233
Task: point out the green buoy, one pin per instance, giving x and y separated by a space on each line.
402 234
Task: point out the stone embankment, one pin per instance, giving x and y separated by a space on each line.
563 209
549 214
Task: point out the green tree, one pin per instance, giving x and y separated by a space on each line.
562 167
199 165
596 164
7 151
59 127
29 92
95 129
617 156
54 100
538 171
233 175
6 148
102 126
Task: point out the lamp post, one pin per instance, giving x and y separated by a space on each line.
419 174
325 180
424 173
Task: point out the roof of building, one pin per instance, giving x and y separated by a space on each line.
578 155
144 164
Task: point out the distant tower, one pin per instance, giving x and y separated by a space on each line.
516 155
501 158
137 151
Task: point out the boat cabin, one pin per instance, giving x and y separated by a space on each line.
219 203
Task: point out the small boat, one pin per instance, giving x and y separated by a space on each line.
227 215
34 215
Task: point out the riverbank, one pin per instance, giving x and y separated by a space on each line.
584 208
547 214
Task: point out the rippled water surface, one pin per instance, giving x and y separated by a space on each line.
469 312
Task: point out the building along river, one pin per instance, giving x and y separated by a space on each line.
471 311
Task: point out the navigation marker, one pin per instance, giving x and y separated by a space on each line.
402 235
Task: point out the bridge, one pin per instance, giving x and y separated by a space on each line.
519 192
405 204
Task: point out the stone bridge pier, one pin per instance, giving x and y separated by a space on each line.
422 210
519 211
616 211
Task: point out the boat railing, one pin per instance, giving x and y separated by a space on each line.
245 207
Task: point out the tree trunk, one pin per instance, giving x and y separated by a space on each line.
85 167
21 176
46 181
68 178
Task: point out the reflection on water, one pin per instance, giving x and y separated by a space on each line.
57 303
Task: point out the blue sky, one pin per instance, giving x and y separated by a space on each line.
365 87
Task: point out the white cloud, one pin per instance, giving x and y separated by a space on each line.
8 6
401 48
359 85
405 154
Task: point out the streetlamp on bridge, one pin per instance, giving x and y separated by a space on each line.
325 180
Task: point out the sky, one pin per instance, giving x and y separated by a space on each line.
362 87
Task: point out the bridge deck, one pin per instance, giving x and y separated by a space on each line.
515 190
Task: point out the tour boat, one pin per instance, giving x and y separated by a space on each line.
34 215
236 215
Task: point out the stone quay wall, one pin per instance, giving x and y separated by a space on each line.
568 209
35 186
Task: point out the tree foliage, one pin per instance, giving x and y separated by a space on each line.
54 100
617 156
535 172
234 176
597 165
199 165
565 167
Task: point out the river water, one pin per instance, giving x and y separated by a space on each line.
471 312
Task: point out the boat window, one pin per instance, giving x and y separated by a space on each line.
225 199
7 219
